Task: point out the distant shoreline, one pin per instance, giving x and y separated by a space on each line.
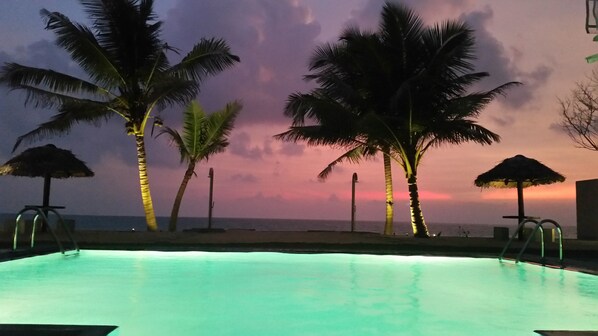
137 223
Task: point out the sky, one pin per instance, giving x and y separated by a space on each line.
541 43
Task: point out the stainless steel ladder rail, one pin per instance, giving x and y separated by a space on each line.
519 227
539 226
40 214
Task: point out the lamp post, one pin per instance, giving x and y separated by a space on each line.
353 208
211 205
591 16
592 25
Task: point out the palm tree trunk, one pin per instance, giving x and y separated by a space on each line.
174 215
418 224
146 197
388 229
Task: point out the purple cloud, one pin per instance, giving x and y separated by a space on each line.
244 178
240 145
493 58
292 149
273 38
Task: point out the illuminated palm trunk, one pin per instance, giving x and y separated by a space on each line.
418 224
174 215
146 197
388 229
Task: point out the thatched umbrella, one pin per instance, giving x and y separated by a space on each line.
518 172
48 162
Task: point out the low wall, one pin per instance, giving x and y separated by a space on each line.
587 209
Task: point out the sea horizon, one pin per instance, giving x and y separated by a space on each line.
137 223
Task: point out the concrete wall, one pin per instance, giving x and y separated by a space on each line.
587 209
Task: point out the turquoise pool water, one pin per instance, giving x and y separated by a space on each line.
205 293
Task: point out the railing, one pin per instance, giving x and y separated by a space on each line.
538 226
40 213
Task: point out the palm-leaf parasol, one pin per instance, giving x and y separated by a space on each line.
518 172
48 162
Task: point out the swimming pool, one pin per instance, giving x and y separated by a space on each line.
208 293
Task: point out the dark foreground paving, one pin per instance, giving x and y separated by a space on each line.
566 333
54 330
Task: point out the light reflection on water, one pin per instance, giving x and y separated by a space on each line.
204 293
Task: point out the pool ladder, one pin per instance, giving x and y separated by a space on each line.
41 214
539 225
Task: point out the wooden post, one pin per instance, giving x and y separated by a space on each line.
211 203
520 208
353 208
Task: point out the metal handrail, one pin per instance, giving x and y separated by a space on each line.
560 232
40 213
541 228
538 226
519 227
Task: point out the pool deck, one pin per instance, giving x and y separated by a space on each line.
580 255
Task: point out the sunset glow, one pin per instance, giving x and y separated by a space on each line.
541 43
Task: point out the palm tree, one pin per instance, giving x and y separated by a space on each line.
407 84
128 75
340 109
203 136
338 125
432 105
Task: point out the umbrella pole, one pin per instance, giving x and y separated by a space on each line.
46 200
520 208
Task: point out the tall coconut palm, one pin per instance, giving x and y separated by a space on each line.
202 136
128 75
338 123
340 108
407 84
433 104
342 71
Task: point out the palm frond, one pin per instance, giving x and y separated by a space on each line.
208 57
167 91
309 134
80 42
353 155
321 58
219 126
47 88
203 135
400 26
460 131
337 117
69 114
470 105
175 137
128 33
314 135
194 128
450 46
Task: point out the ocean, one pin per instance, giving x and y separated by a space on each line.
129 223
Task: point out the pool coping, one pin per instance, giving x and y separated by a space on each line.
579 255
